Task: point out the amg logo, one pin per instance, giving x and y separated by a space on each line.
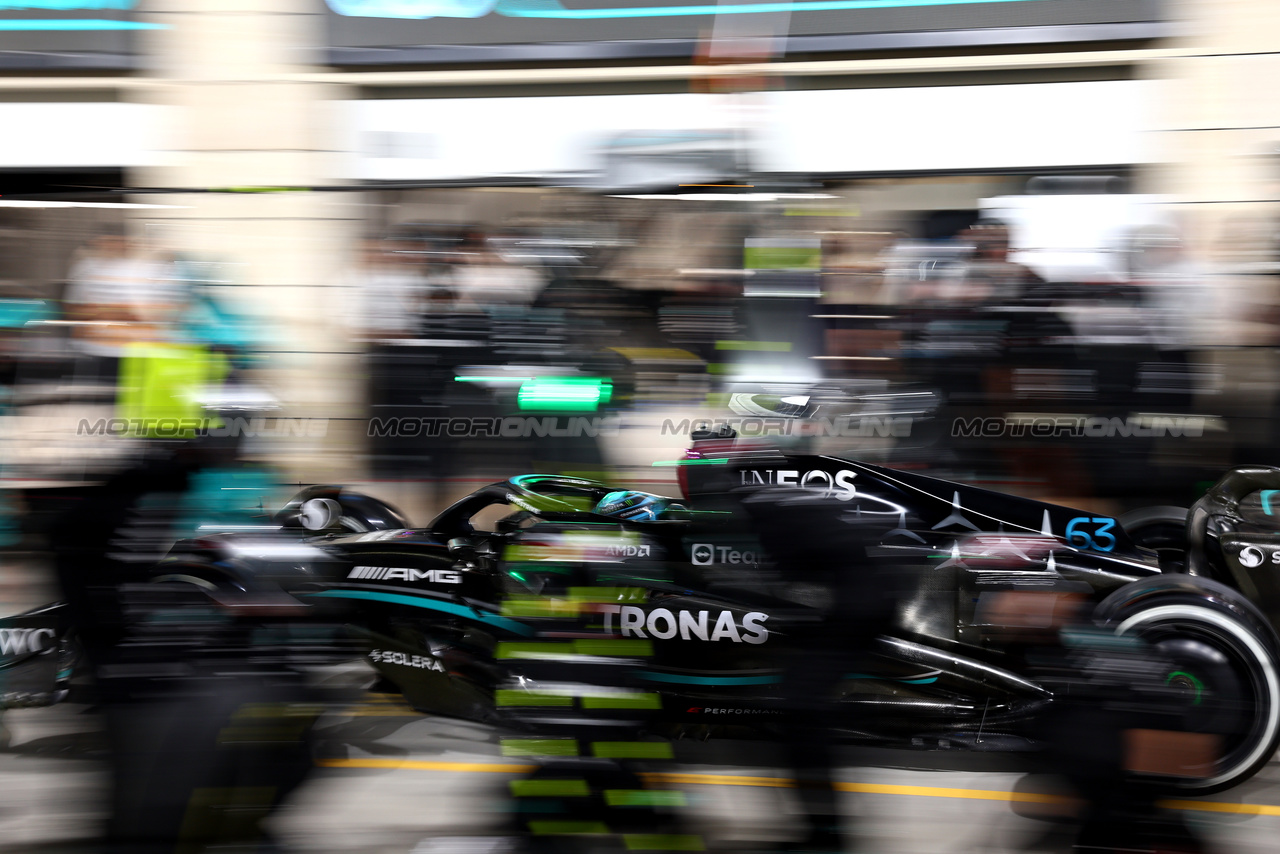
22 641
404 573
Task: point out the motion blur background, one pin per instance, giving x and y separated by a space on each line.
1030 244
411 209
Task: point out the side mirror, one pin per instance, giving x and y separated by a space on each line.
462 548
318 514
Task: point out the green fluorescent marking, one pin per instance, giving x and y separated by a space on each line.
536 607
782 258
513 697
1194 681
663 842
429 604
550 788
554 649
757 346
550 828
622 701
78 24
632 750
644 798
263 189
613 647
565 394
614 594
606 594
539 747
567 649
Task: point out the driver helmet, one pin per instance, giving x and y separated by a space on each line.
635 506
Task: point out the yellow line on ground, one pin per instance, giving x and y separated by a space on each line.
1218 806
787 783
943 792
719 780
865 788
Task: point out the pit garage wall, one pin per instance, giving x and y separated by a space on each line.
230 73
1217 134
255 107
830 131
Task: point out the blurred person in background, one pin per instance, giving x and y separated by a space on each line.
199 692
1174 290
484 278
990 276
120 295
854 267
588 791
206 712
390 287
440 275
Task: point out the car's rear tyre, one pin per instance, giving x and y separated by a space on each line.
1226 664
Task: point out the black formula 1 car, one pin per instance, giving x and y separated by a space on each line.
435 606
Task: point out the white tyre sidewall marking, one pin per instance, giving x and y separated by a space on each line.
1244 636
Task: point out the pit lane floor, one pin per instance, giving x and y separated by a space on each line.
390 781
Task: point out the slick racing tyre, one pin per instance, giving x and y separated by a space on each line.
1223 662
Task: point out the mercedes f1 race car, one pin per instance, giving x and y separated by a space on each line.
435 607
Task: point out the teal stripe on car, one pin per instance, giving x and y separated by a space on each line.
487 617
916 680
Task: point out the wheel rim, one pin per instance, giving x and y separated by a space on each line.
1216 652
1187 681
1216 690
